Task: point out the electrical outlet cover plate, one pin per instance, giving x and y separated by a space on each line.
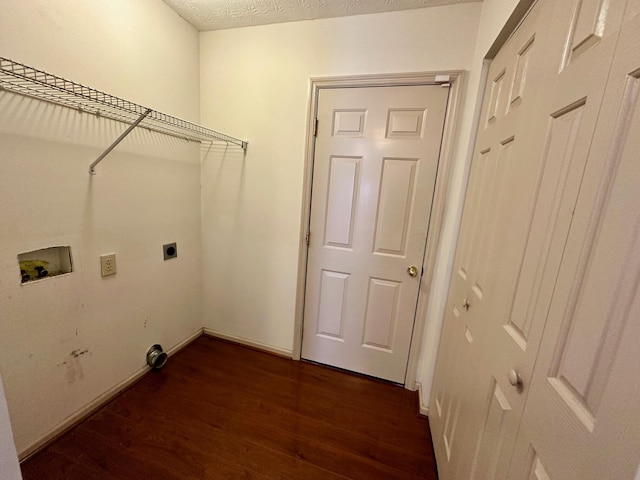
108 264
170 250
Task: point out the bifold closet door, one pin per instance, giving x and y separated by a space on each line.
468 392
541 107
582 418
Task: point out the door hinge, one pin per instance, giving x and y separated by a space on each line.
315 127
307 237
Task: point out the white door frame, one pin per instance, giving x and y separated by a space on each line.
455 78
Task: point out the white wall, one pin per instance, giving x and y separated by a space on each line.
254 84
65 341
9 467
254 81
495 13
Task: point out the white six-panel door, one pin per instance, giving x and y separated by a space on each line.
375 166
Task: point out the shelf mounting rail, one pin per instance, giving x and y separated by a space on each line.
25 80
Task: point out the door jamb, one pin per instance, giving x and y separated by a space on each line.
456 80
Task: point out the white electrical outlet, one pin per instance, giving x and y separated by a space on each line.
108 264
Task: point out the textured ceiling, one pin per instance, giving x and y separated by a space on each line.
220 14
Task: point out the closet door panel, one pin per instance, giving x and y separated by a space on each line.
581 415
541 107
502 183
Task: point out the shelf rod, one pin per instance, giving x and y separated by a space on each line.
92 167
22 79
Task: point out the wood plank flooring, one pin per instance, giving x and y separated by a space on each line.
220 410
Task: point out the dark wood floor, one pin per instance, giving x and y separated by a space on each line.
219 410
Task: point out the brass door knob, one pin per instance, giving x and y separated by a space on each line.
412 271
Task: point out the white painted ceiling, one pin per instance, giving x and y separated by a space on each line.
220 14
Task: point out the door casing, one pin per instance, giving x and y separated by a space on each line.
456 80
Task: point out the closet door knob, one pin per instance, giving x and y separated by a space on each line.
514 378
466 304
412 271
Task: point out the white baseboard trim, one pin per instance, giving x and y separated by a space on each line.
282 352
424 402
96 404
176 348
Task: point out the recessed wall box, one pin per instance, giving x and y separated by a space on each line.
170 250
44 263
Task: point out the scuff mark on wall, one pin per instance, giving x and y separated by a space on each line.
78 352
74 371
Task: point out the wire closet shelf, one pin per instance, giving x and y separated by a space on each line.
25 80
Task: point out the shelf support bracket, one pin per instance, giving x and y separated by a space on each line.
92 167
